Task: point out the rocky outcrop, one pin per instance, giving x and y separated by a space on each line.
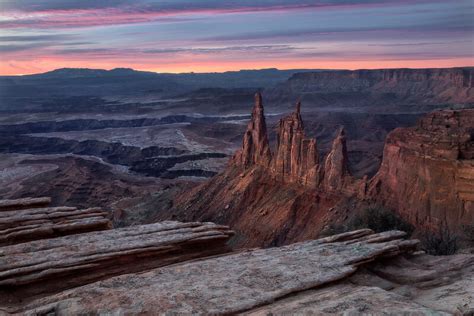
336 165
50 265
416 284
20 204
29 219
296 158
426 175
255 147
427 172
231 283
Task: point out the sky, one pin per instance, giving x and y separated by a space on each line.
219 35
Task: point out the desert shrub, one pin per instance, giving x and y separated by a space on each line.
440 243
379 220
333 229
468 232
376 218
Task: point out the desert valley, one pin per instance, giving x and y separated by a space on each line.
330 163
265 157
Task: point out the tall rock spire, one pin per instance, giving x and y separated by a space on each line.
255 147
295 154
336 165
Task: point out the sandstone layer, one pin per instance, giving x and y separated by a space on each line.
427 172
19 204
426 175
398 87
49 265
32 224
255 147
29 219
231 283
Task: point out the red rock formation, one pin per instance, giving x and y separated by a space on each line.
427 175
271 204
336 169
255 148
427 172
29 219
296 158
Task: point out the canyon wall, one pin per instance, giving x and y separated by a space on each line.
427 176
427 172
382 86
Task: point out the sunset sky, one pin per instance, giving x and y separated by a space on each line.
218 35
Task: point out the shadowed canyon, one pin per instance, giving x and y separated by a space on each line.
336 192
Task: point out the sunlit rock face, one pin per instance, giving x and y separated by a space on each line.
427 175
427 172
296 157
255 147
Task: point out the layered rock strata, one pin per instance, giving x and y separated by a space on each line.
231 283
427 176
427 172
380 87
19 204
49 265
23 225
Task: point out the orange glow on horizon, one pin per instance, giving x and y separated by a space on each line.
48 64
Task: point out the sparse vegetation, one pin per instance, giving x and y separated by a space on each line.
376 218
440 243
468 231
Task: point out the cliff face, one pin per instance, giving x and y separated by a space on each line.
397 86
427 172
427 175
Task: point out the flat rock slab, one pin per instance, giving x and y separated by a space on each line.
21 225
232 283
50 265
19 204
444 283
345 299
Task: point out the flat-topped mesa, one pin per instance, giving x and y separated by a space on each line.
255 147
336 169
297 157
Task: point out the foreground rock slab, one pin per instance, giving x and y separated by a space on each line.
49 265
229 284
346 299
21 225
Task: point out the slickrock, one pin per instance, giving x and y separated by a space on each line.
345 299
48 265
19 204
226 284
38 223
427 172
255 147
296 158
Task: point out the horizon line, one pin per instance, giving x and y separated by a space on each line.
225 71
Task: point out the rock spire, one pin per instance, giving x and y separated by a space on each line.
255 147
